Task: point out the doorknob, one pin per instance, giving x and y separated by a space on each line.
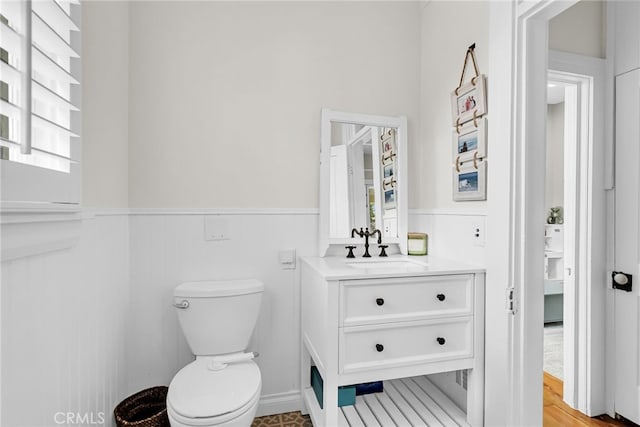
621 281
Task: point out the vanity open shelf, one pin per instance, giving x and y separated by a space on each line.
397 326
415 402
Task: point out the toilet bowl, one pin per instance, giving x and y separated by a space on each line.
200 396
221 387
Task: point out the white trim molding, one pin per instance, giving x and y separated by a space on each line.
279 403
224 211
24 234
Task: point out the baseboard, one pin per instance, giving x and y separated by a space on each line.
279 403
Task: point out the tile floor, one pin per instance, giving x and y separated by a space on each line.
290 419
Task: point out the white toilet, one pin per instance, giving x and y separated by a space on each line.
222 386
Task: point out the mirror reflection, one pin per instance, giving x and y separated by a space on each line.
363 170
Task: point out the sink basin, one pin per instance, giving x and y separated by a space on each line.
385 265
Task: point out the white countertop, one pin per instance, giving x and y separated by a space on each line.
342 268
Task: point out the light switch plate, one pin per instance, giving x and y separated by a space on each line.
215 228
287 258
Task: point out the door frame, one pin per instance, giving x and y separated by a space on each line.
518 38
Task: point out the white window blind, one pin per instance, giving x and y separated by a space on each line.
39 100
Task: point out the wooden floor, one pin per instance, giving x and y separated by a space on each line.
558 414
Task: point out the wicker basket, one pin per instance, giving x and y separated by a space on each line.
146 408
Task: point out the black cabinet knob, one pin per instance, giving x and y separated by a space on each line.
379 301
379 347
441 340
440 297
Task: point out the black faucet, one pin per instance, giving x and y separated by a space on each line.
366 234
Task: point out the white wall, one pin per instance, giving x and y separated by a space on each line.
64 323
234 122
225 97
105 95
448 29
451 234
580 29
554 178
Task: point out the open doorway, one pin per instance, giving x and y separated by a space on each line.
521 65
568 276
554 242
569 127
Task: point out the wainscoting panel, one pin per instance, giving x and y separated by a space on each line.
169 248
64 323
84 327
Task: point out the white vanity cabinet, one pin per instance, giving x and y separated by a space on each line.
397 325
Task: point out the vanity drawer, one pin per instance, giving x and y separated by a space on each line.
401 299
405 343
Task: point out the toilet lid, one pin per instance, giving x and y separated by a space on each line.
198 392
218 288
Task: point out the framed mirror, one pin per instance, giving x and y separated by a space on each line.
363 178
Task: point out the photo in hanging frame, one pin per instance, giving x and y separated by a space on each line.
387 170
469 140
390 199
388 139
469 181
470 100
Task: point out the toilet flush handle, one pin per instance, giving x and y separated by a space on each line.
182 304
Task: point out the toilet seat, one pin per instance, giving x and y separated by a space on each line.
213 421
202 396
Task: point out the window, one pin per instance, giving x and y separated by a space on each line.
39 101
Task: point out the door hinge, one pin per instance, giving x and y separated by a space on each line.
510 301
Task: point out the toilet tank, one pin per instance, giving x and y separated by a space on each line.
219 315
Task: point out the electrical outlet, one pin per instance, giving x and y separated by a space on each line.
478 234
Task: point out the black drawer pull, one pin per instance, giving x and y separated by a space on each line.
379 347
440 297
441 340
379 301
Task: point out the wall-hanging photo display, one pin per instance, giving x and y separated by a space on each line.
469 181
469 101
470 141
469 135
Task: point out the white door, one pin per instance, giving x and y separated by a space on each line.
627 242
